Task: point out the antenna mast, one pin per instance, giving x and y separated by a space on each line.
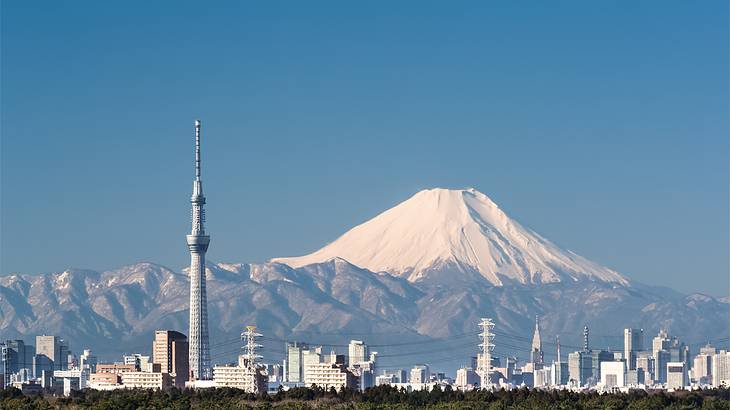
197 150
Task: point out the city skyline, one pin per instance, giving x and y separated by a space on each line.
314 146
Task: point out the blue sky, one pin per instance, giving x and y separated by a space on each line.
601 125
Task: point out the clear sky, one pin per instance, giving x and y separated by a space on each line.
601 125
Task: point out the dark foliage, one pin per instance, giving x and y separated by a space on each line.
381 397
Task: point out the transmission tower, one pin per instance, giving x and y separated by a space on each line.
250 358
484 362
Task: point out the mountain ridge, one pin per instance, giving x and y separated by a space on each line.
307 304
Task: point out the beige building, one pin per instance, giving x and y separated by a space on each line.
102 380
115 368
146 380
170 351
328 375
239 377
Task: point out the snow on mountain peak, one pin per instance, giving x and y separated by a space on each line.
452 231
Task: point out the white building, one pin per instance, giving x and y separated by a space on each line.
721 369
613 374
420 373
357 352
327 375
293 366
465 377
676 375
146 380
542 377
88 361
387 378
239 377
75 379
140 362
309 357
702 369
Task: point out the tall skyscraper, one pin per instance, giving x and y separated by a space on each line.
198 244
170 350
294 362
54 350
357 352
633 342
537 355
660 348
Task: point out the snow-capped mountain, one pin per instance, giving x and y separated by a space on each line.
424 271
458 232
117 311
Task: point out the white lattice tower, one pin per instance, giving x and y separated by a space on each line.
484 362
251 357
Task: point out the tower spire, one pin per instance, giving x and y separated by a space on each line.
197 150
537 353
557 340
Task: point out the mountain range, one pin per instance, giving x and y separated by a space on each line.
413 282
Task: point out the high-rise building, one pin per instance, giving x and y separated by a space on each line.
633 342
660 348
660 342
598 357
199 345
420 373
466 376
537 355
580 367
702 368
613 374
54 349
16 355
645 362
170 351
661 358
309 357
721 369
357 352
294 362
88 361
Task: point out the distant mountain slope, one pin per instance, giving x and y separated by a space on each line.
424 271
458 233
117 311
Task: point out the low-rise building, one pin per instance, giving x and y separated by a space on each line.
676 375
102 381
146 380
327 375
240 377
613 374
115 368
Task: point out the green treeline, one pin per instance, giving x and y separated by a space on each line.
381 397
